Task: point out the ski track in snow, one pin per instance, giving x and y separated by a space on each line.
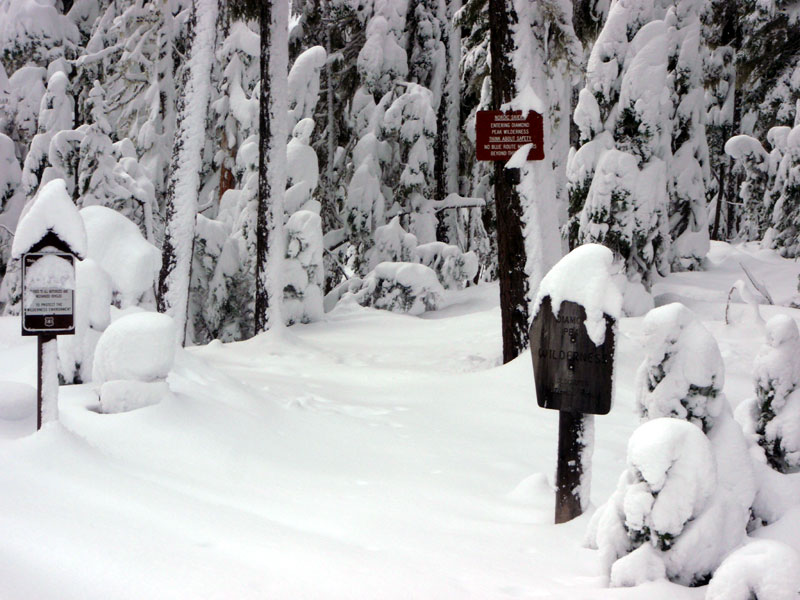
371 455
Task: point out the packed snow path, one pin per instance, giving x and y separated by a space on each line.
372 455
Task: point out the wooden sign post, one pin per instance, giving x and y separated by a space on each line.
48 310
499 134
50 235
572 375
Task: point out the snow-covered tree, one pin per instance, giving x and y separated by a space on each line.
35 32
773 416
661 516
184 182
754 161
26 87
273 133
399 287
303 269
410 124
682 373
96 182
786 210
619 174
303 84
56 113
11 201
689 163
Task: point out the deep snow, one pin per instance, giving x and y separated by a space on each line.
370 455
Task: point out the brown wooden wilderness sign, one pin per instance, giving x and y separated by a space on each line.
499 134
570 372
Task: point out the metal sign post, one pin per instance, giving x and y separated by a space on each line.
573 376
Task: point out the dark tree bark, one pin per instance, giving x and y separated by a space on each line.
273 134
264 189
510 242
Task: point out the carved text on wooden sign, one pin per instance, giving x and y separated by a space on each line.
570 372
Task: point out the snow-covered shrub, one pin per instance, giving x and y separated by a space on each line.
662 519
117 244
401 287
35 31
453 267
392 244
303 83
773 416
680 380
302 168
410 125
96 182
92 316
750 155
762 569
303 269
132 359
682 374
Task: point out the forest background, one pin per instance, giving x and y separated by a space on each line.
668 123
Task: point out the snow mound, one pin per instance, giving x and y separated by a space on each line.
764 569
51 210
118 396
17 400
138 347
118 246
584 276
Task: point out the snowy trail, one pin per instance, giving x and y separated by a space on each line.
372 455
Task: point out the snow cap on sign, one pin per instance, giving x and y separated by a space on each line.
51 210
584 276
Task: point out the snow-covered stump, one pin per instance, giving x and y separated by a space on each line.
132 360
572 348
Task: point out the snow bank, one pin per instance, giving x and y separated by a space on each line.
118 246
17 400
52 209
584 276
764 569
118 396
138 347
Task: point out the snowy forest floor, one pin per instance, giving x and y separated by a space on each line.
372 455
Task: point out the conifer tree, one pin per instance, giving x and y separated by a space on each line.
184 181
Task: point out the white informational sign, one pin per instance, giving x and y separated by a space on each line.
48 293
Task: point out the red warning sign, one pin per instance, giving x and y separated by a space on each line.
500 134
